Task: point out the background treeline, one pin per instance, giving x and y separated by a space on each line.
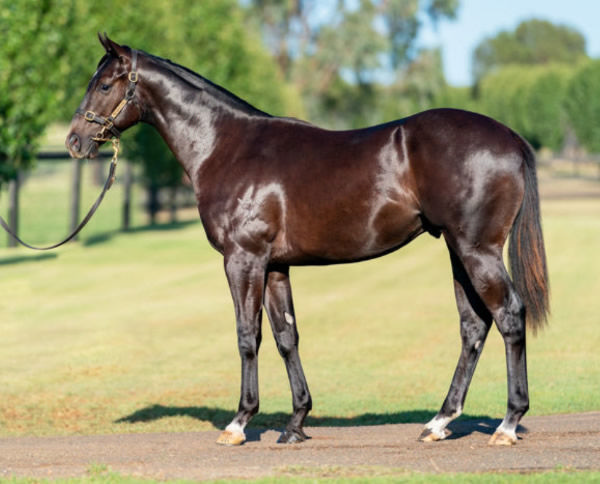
339 64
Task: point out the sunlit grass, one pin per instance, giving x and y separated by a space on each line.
135 332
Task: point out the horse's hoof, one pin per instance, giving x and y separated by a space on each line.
292 436
502 438
429 435
231 438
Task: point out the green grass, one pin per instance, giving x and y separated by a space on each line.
135 332
339 476
45 199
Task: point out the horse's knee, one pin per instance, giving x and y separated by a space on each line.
248 345
287 341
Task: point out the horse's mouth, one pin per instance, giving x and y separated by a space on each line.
92 150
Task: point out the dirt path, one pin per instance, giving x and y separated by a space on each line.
547 443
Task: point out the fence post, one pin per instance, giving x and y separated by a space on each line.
75 194
127 182
173 204
13 208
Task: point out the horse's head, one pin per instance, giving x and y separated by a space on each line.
109 105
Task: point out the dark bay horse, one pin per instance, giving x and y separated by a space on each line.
274 192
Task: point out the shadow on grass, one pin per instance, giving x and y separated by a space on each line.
107 236
17 259
465 425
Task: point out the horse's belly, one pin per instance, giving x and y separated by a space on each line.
349 235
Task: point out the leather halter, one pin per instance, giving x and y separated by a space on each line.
108 123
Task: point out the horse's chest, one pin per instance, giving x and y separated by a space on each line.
250 220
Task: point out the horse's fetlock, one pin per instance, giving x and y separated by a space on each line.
249 405
519 407
304 402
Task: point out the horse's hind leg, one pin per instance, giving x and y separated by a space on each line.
280 309
475 322
509 313
490 279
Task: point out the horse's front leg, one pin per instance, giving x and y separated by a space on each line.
246 277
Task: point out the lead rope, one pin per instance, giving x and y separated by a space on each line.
109 181
116 146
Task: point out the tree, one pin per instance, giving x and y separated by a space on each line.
416 89
529 99
583 105
546 118
532 42
344 48
33 66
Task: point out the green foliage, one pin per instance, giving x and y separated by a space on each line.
530 100
160 166
337 57
50 49
416 87
532 42
583 105
32 69
455 97
207 37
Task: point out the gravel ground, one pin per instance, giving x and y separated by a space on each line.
546 443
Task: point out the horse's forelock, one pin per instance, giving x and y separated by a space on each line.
104 58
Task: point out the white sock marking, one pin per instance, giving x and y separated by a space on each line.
235 428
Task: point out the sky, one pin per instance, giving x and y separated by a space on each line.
478 19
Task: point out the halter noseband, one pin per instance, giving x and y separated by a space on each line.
108 123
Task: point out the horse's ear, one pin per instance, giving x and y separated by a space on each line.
112 48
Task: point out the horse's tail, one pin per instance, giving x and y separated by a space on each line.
526 251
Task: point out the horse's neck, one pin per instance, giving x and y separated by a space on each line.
190 117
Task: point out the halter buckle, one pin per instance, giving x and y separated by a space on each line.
89 116
133 76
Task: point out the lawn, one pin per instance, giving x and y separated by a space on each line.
336 476
134 332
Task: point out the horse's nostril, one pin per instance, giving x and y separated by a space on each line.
74 142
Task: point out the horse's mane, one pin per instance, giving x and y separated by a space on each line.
199 82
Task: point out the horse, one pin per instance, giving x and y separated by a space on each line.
274 192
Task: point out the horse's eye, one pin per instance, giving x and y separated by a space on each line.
104 87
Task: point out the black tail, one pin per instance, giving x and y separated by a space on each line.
526 250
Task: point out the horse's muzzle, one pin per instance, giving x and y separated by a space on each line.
76 148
